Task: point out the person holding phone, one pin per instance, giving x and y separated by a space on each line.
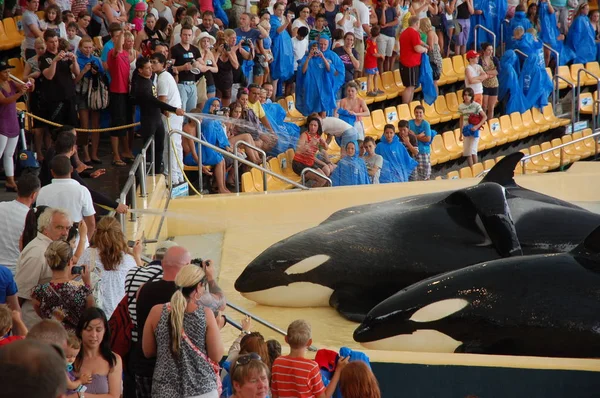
63 299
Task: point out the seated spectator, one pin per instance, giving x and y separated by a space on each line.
236 133
250 377
397 165
185 339
373 161
509 87
518 20
268 140
74 383
320 29
296 373
63 299
472 118
410 142
95 357
351 169
12 220
32 369
358 381
10 322
422 130
537 85
356 108
108 260
309 143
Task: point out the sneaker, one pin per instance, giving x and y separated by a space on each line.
371 94
380 92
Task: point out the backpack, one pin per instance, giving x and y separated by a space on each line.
97 93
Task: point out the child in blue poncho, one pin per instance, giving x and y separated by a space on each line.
351 169
472 118
397 164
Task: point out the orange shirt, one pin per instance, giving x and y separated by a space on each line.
296 378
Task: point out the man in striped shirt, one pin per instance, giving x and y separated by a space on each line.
295 376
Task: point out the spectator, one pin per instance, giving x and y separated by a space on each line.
264 54
320 29
83 23
351 169
388 20
188 20
300 45
301 21
274 350
32 28
10 321
167 92
268 140
114 12
464 10
341 130
74 383
62 298
397 165
282 67
49 332
363 12
53 21
235 133
358 381
8 289
12 220
294 375
472 118
330 10
209 62
337 39
91 70
411 49
108 261
422 130
32 70
372 58
250 377
581 37
435 54
356 107
72 36
490 65
373 161
138 20
410 142
147 35
227 62
532 15
32 369
448 7
349 57
150 109
95 357
208 24
307 147
187 57
347 18
57 91
66 192
53 224
31 226
183 319
475 76
520 19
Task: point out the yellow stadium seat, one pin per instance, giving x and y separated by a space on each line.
540 160
458 64
438 178
391 116
275 184
389 92
452 102
448 71
41 14
496 132
580 147
438 151
530 166
5 42
369 128
540 120
10 27
530 126
412 105
453 175
549 72
571 150
567 156
486 141
287 171
552 157
564 72
398 80
18 67
431 114
465 172
477 169
488 164
586 102
362 90
248 182
507 130
379 120
594 68
293 115
451 146
586 80
389 84
458 136
551 117
404 112
591 142
257 179
517 125
441 107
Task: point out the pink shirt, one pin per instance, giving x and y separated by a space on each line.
119 72
206 5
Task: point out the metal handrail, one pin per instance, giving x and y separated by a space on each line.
138 167
488 31
579 86
521 52
555 53
314 171
236 165
555 93
502 42
595 123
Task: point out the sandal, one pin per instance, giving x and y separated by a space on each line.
128 160
119 163
96 161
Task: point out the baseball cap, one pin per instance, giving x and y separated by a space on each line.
4 66
472 54
163 246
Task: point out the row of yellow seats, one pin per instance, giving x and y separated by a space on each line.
569 73
541 163
10 37
252 181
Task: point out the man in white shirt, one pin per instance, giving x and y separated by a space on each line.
53 224
167 91
12 219
342 131
347 18
64 192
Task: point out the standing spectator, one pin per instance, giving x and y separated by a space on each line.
110 260
347 18
301 21
475 76
186 57
146 35
330 10
300 45
464 10
472 118
83 22
53 224
363 13
12 220
57 91
184 335
32 27
114 12
208 24
372 58
53 21
448 9
435 54
349 56
490 65
227 62
560 7
518 20
68 193
32 70
373 161
151 107
282 67
358 381
388 21
208 61
411 49
72 37
320 29
62 299
422 130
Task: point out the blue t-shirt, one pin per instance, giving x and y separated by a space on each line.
390 15
8 287
252 34
424 127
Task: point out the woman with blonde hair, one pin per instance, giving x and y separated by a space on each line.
62 298
358 381
108 260
185 339
435 54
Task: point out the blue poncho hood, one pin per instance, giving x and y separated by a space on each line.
581 39
397 164
520 19
350 170
509 88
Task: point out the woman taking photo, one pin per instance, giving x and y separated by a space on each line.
227 61
96 358
309 143
185 339
62 298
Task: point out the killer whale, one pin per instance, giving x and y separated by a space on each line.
362 255
538 305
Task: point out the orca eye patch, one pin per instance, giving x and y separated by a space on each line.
439 310
308 264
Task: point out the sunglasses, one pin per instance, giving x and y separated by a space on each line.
247 358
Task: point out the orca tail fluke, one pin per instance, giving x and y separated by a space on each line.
503 172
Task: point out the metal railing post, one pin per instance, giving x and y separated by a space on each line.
583 70
555 94
236 164
502 41
133 204
477 27
153 157
169 161
122 200
521 52
314 171
142 177
556 54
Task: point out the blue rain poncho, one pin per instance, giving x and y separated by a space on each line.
212 131
535 82
220 13
316 89
520 19
581 39
287 133
492 16
529 45
509 88
346 116
350 170
549 33
426 80
397 164
282 67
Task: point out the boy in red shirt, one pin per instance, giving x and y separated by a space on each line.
371 56
294 376
11 320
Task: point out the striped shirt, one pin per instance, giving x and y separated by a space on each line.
136 278
296 377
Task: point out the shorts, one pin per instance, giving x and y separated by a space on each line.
211 89
463 36
449 25
371 71
385 44
298 167
470 146
259 68
478 98
490 91
120 113
360 130
81 102
410 75
424 166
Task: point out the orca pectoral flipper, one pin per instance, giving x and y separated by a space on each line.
352 305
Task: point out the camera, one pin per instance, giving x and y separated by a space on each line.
209 62
246 42
77 269
94 67
227 47
197 261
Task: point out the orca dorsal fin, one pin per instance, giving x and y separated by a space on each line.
503 172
